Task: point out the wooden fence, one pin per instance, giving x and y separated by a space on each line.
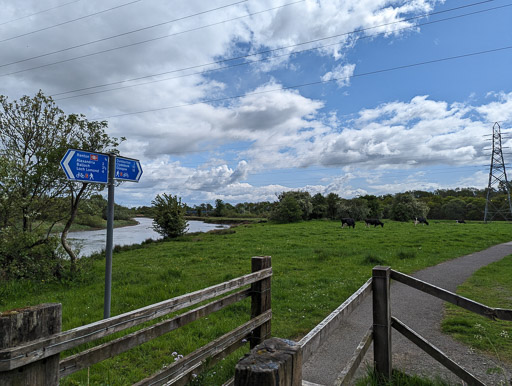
379 332
31 340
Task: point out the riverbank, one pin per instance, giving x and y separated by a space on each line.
228 220
97 225
93 241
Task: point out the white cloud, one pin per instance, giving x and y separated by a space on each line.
205 150
341 73
216 178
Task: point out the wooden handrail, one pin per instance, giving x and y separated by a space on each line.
468 304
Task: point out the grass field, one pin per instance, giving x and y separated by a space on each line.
492 286
316 267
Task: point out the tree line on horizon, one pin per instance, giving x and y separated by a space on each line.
292 206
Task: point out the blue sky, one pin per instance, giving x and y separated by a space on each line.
319 108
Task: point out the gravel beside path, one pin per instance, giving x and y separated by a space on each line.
423 313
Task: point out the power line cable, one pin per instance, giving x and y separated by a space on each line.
252 55
123 34
148 40
345 78
38 13
200 13
70 21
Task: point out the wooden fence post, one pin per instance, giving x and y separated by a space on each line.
260 299
382 322
275 362
24 325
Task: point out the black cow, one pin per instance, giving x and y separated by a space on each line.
348 222
420 220
460 221
373 221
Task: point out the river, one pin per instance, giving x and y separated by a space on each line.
89 242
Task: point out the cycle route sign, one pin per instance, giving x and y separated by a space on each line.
127 169
85 166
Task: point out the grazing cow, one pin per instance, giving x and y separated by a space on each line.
348 222
420 220
460 221
374 222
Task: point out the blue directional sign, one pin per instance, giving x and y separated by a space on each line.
85 166
128 169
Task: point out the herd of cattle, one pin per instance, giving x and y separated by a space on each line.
350 222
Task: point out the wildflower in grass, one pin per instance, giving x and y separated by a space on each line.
504 334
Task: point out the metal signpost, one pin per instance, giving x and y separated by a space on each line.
100 168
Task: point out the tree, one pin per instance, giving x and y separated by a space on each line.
373 206
220 208
454 209
406 207
332 200
34 136
303 199
169 216
287 210
319 203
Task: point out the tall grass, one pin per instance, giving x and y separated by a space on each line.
316 265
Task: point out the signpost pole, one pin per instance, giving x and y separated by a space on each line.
86 166
110 235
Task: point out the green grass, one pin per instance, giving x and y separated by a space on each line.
399 378
492 286
316 265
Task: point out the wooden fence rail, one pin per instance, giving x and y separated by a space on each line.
468 304
18 354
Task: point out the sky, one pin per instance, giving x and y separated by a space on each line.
242 100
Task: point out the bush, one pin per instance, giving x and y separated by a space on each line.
28 255
90 220
169 216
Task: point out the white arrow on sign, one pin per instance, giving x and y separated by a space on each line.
66 164
140 171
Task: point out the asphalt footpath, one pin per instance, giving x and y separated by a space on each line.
423 313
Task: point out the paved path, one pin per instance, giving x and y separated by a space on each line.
421 312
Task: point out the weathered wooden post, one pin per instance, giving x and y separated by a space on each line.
24 325
381 322
260 299
275 362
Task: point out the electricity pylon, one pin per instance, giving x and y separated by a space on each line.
497 181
